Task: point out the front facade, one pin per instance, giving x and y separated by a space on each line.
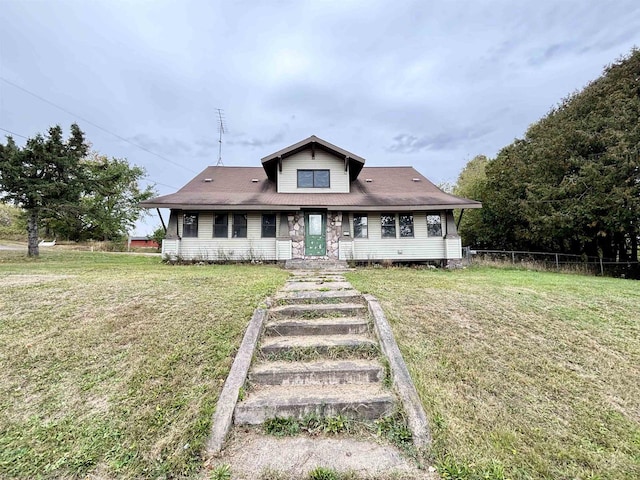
311 200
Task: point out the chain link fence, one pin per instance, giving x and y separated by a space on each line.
555 261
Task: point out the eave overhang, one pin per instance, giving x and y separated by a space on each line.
272 163
297 207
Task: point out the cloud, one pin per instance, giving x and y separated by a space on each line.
409 144
163 145
254 142
550 52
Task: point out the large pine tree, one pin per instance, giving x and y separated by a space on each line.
572 184
44 175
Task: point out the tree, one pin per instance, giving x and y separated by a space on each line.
45 175
471 184
572 184
12 222
158 236
108 206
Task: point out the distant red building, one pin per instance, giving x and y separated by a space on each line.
137 242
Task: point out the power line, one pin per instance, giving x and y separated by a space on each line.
151 179
13 133
95 125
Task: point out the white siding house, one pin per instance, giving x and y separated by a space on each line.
312 200
338 175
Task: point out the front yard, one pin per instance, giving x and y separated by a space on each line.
523 375
111 364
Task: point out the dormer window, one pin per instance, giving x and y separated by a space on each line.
313 179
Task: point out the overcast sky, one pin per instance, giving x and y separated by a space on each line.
423 83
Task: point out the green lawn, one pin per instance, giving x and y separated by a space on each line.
524 375
111 364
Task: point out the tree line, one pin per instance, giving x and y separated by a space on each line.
68 191
572 184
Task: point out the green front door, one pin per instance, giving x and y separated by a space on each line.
315 244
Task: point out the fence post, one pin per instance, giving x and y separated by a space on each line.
557 264
513 257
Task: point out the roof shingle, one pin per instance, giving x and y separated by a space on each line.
377 188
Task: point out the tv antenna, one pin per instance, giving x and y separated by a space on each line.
221 129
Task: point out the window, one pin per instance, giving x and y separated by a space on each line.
388 223
190 225
360 226
268 225
406 225
239 225
313 179
434 226
221 225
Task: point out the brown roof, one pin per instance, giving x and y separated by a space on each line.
234 188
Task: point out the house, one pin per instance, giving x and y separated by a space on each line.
312 200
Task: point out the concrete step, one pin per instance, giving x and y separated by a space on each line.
317 326
315 285
367 402
319 343
317 273
319 265
317 278
318 296
315 310
322 372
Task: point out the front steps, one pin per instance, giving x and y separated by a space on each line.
307 264
318 356
318 296
317 326
317 344
366 402
323 372
318 310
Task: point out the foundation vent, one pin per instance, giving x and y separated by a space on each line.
208 180
368 180
415 179
254 180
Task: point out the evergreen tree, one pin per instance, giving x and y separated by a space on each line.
45 175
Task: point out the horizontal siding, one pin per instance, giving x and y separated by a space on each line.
205 225
170 247
345 250
283 249
453 248
228 249
205 247
420 247
288 178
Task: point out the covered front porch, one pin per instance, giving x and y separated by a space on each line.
315 234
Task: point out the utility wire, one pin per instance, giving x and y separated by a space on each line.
94 124
13 133
151 179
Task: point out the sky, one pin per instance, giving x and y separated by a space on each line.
428 84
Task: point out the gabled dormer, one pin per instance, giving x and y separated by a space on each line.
313 166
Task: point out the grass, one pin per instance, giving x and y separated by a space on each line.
524 375
326 473
392 428
310 424
111 364
304 354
